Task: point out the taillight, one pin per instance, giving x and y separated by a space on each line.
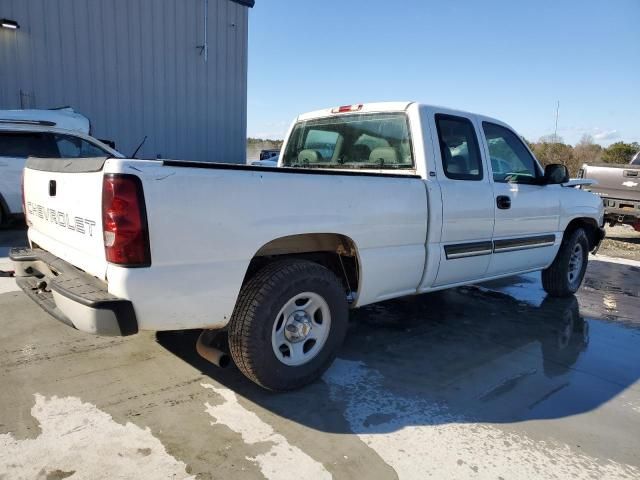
124 221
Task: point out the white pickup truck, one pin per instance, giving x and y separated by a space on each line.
368 203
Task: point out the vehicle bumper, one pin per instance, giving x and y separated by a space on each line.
621 211
71 295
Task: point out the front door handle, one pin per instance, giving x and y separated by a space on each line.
503 202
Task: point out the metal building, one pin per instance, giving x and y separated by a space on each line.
174 70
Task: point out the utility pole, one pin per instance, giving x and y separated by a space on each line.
555 132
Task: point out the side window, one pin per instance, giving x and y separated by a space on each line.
511 162
75 147
461 158
27 144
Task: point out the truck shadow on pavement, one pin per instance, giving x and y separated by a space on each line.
457 356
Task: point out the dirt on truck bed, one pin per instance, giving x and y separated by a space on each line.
622 241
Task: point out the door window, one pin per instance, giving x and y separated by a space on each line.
511 162
461 158
27 144
75 147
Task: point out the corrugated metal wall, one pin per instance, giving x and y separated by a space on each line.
133 67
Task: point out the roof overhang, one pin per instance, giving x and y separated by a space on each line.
246 3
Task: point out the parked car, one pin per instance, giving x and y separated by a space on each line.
619 187
272 162
268 154
60 133
400 200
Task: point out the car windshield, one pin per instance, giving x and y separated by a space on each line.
373 141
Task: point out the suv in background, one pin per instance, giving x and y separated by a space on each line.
268 154
60 133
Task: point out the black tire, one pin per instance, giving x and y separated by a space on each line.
252 322
556 279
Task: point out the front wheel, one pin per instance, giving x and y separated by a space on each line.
289 321
564 276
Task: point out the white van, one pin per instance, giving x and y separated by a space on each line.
59 133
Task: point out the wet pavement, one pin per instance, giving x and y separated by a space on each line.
491 381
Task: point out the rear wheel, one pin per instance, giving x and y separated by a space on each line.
565 275
288 324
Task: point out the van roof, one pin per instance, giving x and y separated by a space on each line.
62 118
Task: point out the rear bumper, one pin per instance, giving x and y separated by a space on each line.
71 295
623 211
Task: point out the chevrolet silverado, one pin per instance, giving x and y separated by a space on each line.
369 202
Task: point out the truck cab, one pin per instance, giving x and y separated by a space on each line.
492 210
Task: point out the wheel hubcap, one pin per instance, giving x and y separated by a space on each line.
298 327
575 264
301 329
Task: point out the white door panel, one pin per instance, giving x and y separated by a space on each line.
526 213
534 209
467 199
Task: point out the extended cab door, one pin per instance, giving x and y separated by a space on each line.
467 199
526 212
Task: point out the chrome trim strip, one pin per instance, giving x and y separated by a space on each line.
475 249
522 247
475 253
471 249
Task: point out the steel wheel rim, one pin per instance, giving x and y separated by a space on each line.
301 329
576 261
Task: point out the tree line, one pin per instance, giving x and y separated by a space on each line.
274 144
552 149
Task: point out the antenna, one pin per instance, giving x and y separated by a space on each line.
133 155
555 132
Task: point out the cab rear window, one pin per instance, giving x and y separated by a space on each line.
378 141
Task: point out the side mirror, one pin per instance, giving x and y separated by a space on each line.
555 174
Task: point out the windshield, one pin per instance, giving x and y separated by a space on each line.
375 141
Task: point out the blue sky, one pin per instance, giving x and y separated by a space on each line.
508 59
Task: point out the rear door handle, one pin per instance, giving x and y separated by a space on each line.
503 202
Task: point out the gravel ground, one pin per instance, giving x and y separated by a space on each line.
621 241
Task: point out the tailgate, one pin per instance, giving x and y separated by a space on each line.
63 207
622 182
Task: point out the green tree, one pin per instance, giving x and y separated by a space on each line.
620 152
552 149
587 151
